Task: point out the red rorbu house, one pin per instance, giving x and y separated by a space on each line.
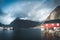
52 23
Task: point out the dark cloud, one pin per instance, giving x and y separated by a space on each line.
57 2
26 10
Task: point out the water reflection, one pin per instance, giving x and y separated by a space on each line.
6 35
22 34
26 34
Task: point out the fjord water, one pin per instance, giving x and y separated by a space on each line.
22 34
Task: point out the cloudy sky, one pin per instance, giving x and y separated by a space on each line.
35 10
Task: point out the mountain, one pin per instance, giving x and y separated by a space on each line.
18 23
55 14
1 24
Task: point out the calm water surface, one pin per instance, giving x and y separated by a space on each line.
22 34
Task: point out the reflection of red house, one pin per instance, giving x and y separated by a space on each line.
51 25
